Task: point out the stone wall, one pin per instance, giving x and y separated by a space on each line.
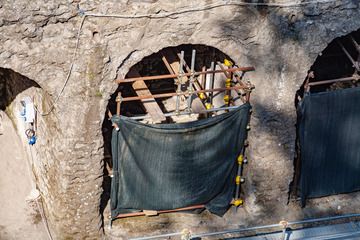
38 39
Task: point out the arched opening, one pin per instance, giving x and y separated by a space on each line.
203 104
17 180
339 60
167 61
336 69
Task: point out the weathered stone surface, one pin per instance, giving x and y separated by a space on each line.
38 39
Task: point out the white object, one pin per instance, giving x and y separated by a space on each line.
1 124
34 195
29 110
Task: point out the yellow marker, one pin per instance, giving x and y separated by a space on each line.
208 106
202 96
226 99
228 63
228 82
238 180
238 202
240 159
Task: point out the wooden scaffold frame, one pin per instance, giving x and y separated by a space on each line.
196 86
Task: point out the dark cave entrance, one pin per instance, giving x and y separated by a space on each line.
337 67
11 84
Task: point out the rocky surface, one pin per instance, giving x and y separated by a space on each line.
38 40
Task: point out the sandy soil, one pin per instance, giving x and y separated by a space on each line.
19 219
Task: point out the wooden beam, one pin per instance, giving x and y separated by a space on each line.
150 104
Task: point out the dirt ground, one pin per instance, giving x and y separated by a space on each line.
19 218
207 222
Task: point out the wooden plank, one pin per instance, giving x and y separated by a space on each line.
150 104
172 64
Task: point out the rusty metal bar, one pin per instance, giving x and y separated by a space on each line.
239 82
159 77
357 46
136 214
114 124
349 56
222 68
355 77
162 95
187 113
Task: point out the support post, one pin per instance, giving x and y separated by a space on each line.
349 56
357 46
191 82
118 103
179 82
211 83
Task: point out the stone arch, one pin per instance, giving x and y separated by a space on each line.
26 168
340 58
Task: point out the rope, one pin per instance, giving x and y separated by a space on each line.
164 15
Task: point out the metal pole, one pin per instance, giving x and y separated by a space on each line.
114 124
212 68
354 77
179 81
190 89
349 56
357 46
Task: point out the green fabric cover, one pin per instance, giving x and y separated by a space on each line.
169 166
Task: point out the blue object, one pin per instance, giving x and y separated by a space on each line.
22 112
32 140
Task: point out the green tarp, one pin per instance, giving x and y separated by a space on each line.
169 166
329 135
